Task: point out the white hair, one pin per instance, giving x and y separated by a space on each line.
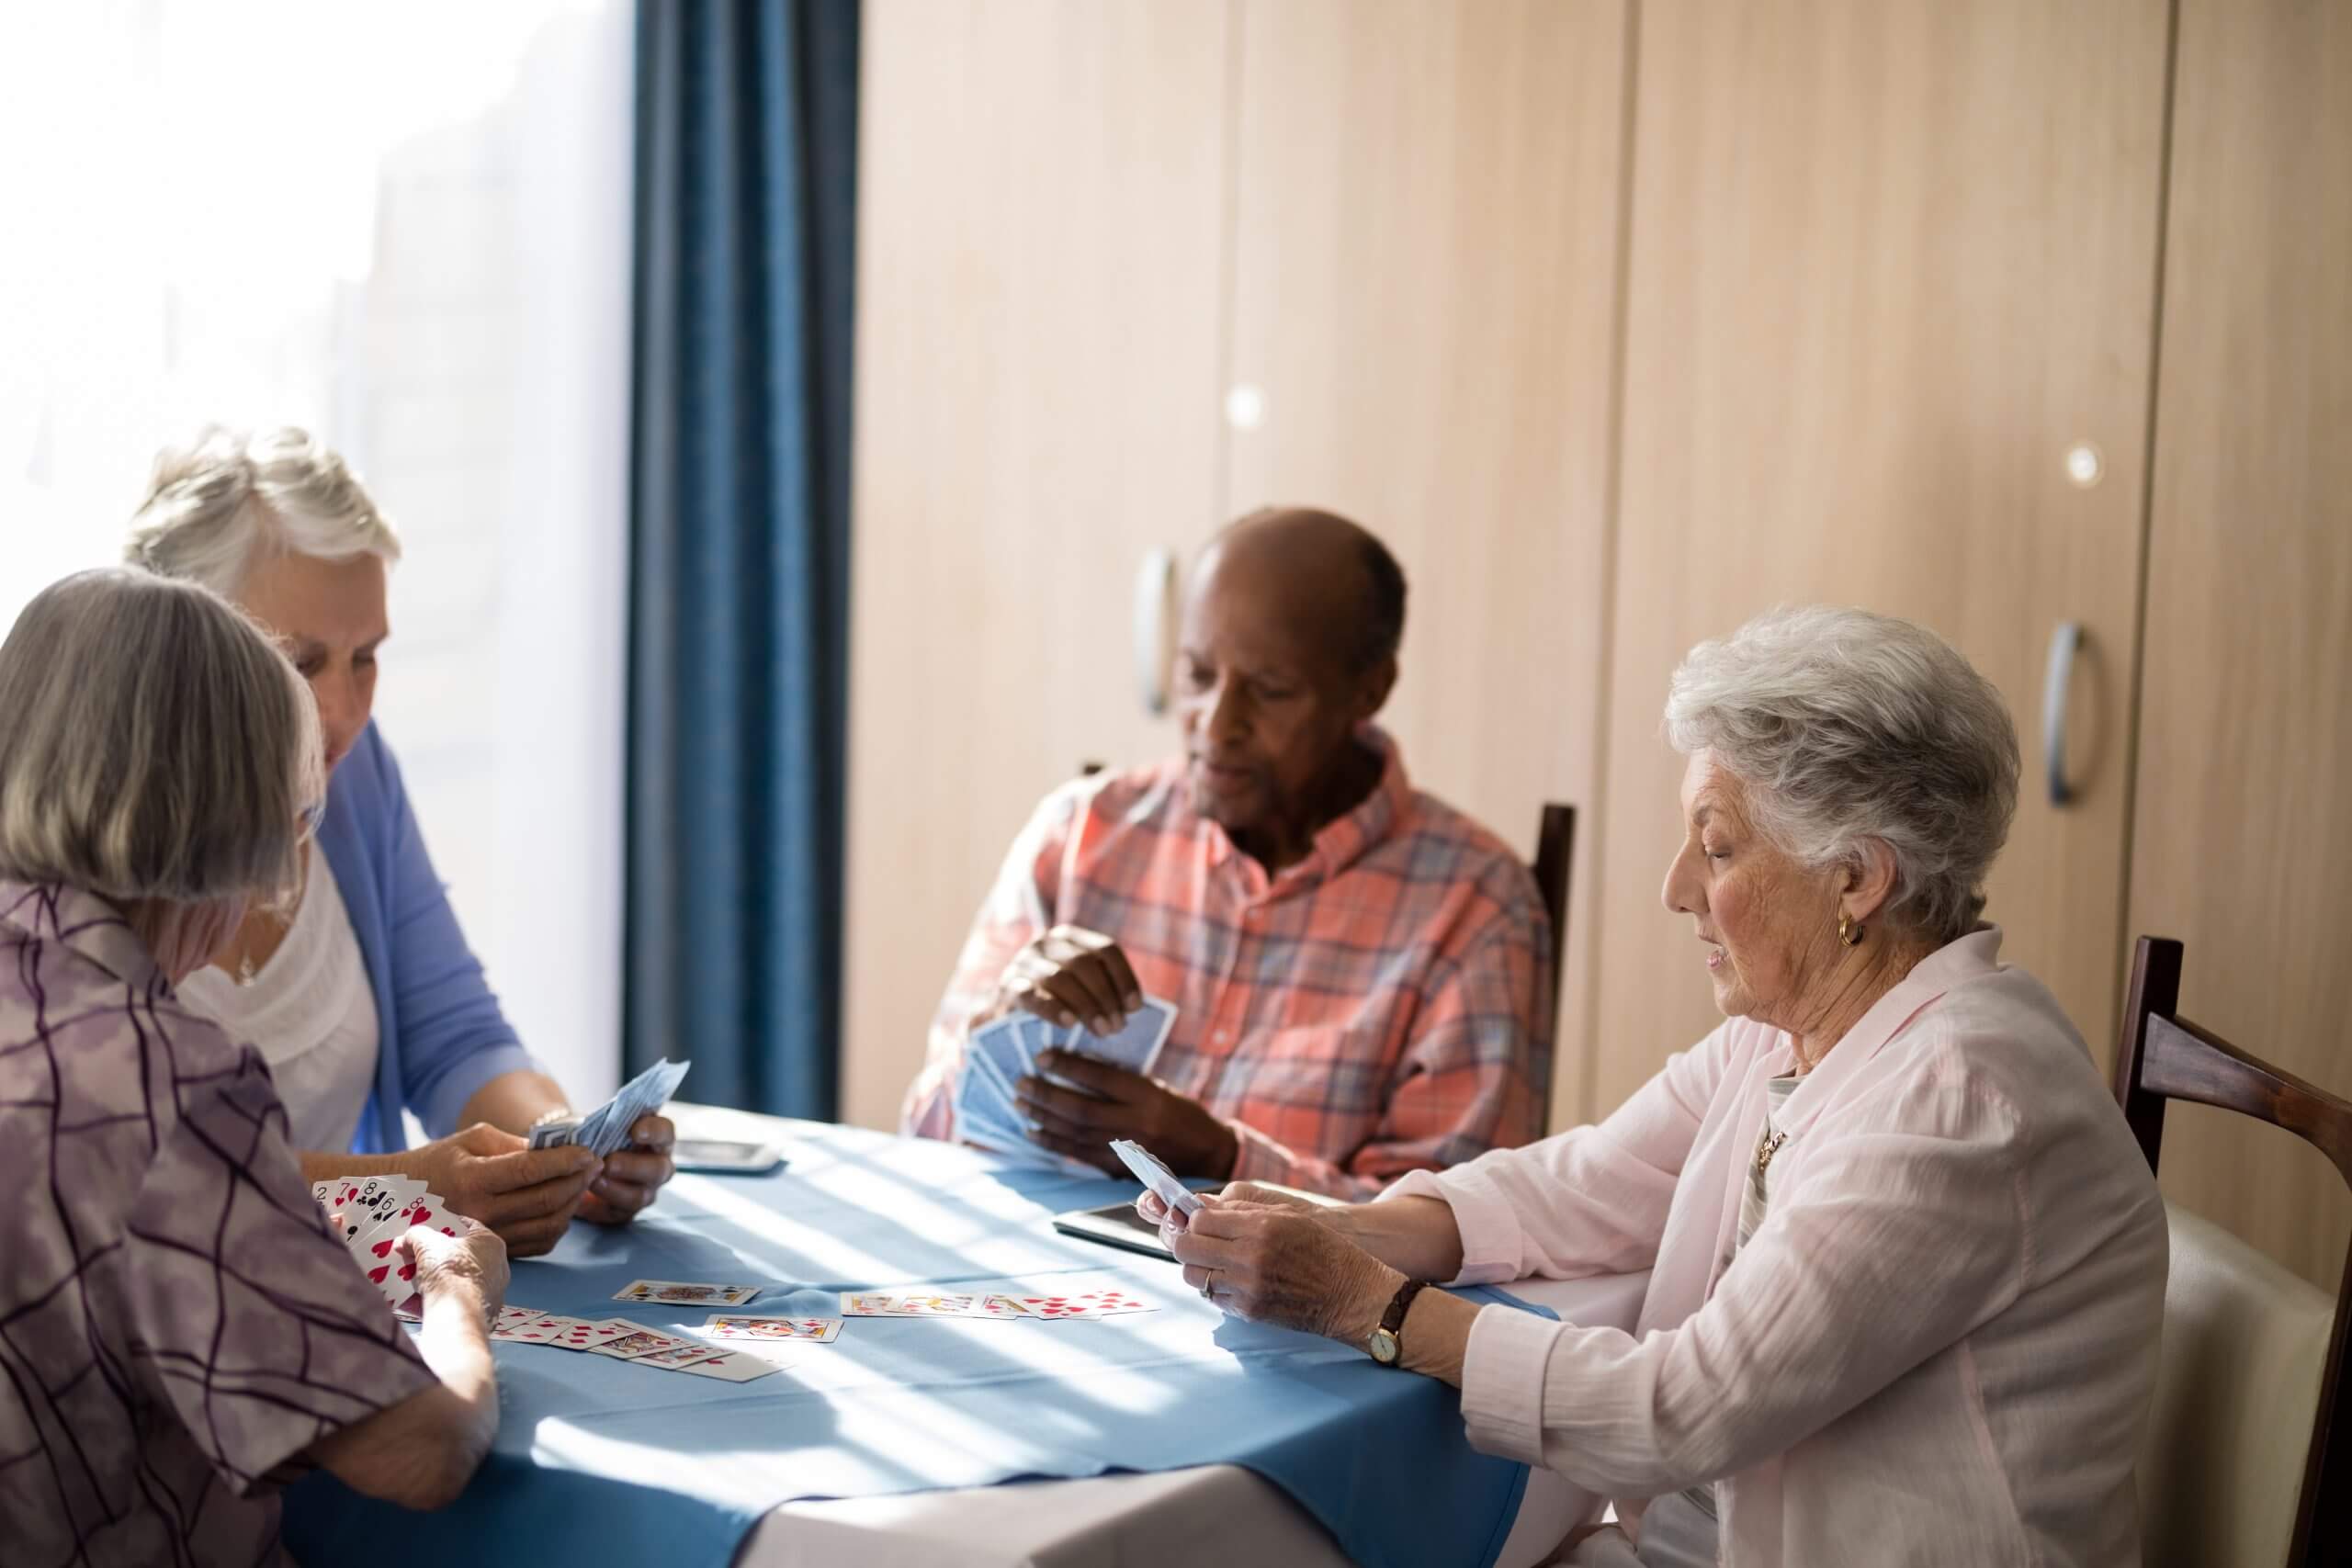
1846 727
153 744
232 498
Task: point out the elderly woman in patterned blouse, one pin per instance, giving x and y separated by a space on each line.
180 1329
1908 1264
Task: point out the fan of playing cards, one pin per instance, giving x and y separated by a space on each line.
1004 1052
605 1128
371 1214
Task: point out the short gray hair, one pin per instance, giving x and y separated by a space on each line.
153 744
1844 727
231 498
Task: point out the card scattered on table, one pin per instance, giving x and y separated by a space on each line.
605 1129
685 1293
734 1366
992 1305
641 1341
1085 1303
723 1326
537 1328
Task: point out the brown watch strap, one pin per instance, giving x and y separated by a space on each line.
1393 1320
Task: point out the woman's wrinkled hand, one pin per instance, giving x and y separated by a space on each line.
1155 1209
1282 1263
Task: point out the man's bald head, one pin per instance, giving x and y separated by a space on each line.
1334 576
1288 646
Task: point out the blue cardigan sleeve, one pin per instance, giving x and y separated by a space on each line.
442 1033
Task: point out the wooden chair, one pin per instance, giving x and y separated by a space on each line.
1555 851
2217 1386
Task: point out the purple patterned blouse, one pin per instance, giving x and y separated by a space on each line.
177 1323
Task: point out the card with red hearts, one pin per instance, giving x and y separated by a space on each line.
540 1328
1084 1303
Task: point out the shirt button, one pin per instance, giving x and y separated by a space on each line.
1224 1037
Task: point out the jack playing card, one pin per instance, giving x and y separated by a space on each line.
685 1293
676 1356
822 1330
641 1341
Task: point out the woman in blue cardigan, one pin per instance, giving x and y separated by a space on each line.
364 999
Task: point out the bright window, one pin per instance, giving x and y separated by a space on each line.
406 228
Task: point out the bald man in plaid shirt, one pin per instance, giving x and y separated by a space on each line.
1362 974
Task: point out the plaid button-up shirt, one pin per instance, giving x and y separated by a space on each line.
1381 1006
178 1323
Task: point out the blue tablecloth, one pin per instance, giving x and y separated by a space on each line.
598 1461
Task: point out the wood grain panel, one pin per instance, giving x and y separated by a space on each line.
1889 261
1424 291
2241 842
1041 193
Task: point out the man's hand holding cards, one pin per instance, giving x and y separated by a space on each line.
1021 1050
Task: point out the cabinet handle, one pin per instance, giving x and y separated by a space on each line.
1155 629
2056 680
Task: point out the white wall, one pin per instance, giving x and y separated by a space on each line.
407 228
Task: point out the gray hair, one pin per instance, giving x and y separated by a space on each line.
232 498
153 744
1847 726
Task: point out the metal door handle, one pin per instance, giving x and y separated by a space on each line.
1155 629
2056 680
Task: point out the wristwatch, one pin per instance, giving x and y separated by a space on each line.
1387 1341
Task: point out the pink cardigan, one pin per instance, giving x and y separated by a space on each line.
1940 1346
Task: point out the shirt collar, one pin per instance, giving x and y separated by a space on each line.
1345 839
83 923
1968 958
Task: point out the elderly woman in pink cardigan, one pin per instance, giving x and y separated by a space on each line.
1908 1264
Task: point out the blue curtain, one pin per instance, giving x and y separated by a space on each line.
746 164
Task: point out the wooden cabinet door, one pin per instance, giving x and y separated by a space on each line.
2242 842
1890 261
1426 249
1041 208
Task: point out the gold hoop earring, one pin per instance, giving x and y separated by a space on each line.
1849 932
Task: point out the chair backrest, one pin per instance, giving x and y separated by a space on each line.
1556 852
2221 1291
2237 1385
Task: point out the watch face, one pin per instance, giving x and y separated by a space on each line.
1384 1346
